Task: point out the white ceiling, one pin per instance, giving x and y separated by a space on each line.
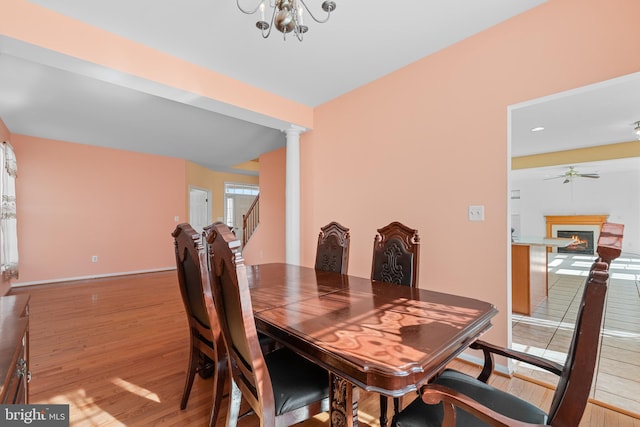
334 58
48 94
599 114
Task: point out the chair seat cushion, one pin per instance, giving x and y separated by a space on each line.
296 381
419 413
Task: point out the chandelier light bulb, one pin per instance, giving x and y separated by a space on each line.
300 13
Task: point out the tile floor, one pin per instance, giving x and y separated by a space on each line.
549 329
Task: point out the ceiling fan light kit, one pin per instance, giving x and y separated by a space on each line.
286 16
572 173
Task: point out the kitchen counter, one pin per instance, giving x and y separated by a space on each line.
542 241
529 271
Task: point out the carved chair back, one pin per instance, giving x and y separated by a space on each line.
191 266
332 253
396 255
206 343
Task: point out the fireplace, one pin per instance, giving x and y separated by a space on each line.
583 241
576 225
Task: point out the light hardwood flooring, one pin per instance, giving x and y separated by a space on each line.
549 329
116 351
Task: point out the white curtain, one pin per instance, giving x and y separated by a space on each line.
8 222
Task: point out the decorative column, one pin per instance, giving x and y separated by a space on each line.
292 214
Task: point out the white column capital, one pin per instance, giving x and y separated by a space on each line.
294 130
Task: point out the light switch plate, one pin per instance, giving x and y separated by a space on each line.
476 213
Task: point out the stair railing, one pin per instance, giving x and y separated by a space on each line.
250 220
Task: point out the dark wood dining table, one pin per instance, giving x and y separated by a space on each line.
377 336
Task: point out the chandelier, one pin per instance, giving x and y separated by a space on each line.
286 16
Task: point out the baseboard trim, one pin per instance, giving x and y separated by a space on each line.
614 408
95 276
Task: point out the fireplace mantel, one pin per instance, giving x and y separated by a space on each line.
552 220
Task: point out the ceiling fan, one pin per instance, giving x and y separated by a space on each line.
573 173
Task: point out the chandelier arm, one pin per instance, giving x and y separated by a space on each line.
248 12
268 33
320 21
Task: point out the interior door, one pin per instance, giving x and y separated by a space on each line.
199 210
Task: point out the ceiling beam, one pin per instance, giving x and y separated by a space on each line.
621 150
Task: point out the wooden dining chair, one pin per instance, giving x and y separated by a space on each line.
207 351
281 387
267 344
396 256
332 253
457 399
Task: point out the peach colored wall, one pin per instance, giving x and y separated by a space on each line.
60 33
267 243
423 143
213 181
75 201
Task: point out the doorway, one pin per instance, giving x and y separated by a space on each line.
199 208
581 128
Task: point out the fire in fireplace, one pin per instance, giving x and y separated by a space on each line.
583 242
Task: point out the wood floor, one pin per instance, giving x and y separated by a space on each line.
116 351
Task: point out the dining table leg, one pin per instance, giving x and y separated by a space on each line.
344 402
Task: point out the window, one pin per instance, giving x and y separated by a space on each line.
228 217
244 189
238 198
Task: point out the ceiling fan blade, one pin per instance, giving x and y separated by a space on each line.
572 173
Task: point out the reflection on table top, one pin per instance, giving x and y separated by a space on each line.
379 336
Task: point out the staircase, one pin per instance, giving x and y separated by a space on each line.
250 220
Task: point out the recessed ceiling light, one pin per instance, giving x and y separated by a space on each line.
537 129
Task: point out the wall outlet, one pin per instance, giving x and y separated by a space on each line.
476 213
94 258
